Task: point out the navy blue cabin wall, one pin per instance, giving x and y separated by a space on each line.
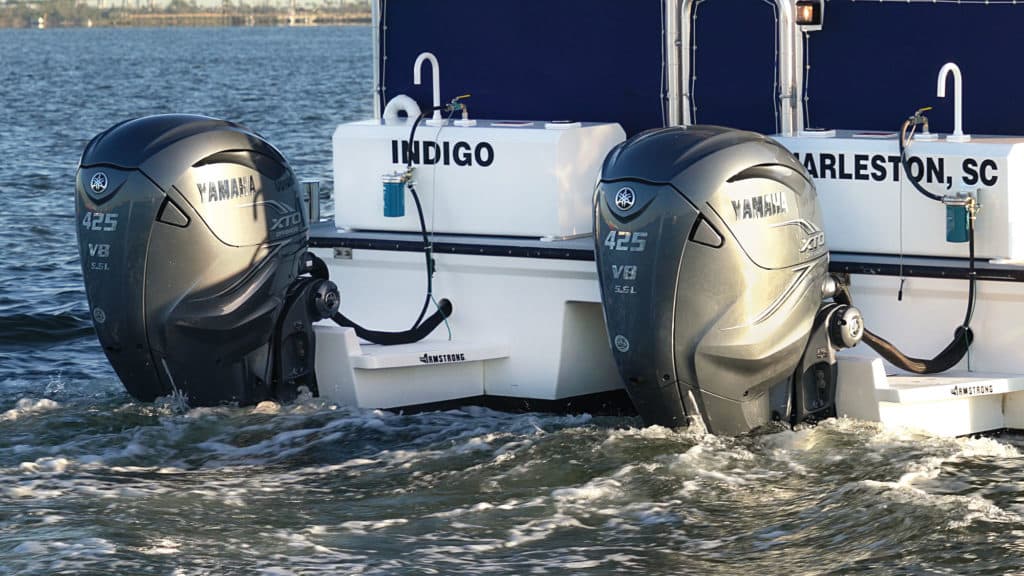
875 63
601 60
590 60
734 65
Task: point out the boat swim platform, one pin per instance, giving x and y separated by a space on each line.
955 403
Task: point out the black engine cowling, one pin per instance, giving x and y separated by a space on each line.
192 237
712 261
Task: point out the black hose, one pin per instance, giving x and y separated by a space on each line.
420 328
963 336
949 357
428 254
903 160
428 247
972 274
406 337
318 268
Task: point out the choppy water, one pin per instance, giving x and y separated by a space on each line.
94 483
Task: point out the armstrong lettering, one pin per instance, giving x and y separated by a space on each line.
226 189
442 358
761 206
972 389
444 153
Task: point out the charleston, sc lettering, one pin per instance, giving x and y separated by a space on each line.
886 168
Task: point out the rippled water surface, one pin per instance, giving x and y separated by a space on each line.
94 483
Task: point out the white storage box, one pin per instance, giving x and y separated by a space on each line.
860 186
499 178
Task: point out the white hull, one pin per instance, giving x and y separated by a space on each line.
523 328
532 330
957 403
984 393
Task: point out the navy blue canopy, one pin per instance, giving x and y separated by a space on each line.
871 66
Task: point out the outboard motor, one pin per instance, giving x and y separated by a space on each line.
713 270
193 236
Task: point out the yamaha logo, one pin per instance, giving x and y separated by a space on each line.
625 198
621 343
98 182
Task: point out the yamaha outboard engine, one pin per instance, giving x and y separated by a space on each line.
192 236
713 272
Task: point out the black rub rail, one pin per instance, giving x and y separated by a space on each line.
583 250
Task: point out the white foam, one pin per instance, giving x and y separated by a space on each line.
986 447
722 477
719 461
651 433
642 513
970 508
597 489
928 469
366 526
162 547
481 507
35 490
476 444
80 549
45 465
267 407
28 406
540 529
802 440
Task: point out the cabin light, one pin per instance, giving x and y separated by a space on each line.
810 14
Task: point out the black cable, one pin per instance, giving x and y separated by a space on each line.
972 274
420 328
949 357
428 247
963 336
412 136
428 254
444 311
903 159
318 268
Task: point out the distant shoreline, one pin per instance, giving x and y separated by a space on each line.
10 18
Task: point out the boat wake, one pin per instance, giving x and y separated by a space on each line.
310 487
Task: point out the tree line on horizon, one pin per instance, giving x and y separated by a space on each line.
74 13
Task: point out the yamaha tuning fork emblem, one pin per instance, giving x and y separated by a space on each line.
98 182
625 198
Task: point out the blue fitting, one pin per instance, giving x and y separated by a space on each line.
394 196
956 223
